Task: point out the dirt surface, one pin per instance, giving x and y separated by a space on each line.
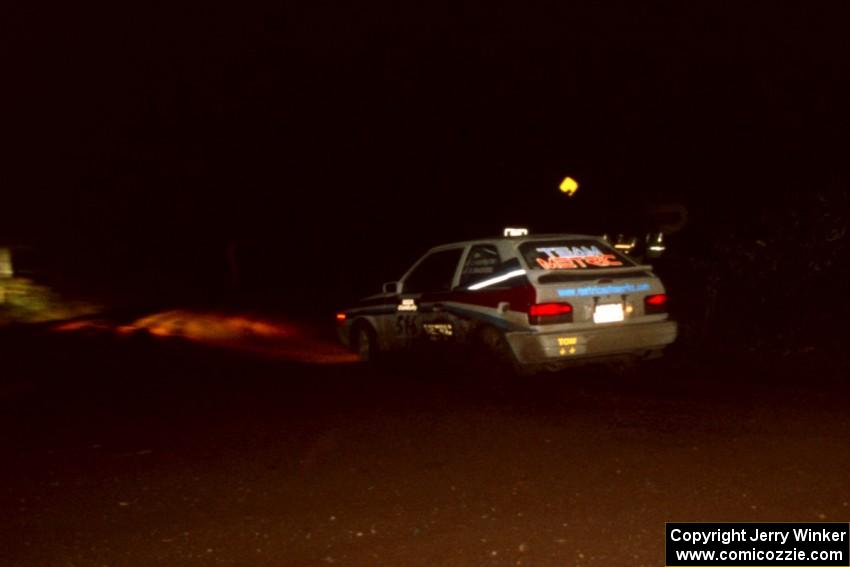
157 451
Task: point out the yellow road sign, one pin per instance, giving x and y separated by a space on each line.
569 186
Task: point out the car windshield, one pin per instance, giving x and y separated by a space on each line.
569 254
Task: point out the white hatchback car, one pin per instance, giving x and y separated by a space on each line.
537 302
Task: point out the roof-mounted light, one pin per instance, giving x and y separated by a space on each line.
513 232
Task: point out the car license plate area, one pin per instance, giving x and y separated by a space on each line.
568 345
608 313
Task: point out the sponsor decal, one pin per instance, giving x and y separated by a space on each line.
603 290
567 345
407 305
572 257
438 330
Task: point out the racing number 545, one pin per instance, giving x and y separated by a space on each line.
406 325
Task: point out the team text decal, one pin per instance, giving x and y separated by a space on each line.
570 257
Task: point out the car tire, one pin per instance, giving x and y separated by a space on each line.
498 355
364 342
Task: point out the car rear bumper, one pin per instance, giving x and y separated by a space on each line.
641 339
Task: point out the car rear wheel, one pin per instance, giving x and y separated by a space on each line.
497 354
364 342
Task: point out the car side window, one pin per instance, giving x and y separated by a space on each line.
481 263
434 273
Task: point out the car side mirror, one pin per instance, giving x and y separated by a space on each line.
392 288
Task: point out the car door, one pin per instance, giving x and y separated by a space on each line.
480 264
422 316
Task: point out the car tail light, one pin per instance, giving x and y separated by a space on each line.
549 313
340 317
655 303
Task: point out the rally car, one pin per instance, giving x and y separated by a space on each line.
534 302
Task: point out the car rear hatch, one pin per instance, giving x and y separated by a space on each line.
600 286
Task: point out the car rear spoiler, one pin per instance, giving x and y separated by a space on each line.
586 275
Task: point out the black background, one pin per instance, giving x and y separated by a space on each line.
331 143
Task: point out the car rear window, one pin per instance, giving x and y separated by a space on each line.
563 254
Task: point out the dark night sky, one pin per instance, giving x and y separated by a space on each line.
339 123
